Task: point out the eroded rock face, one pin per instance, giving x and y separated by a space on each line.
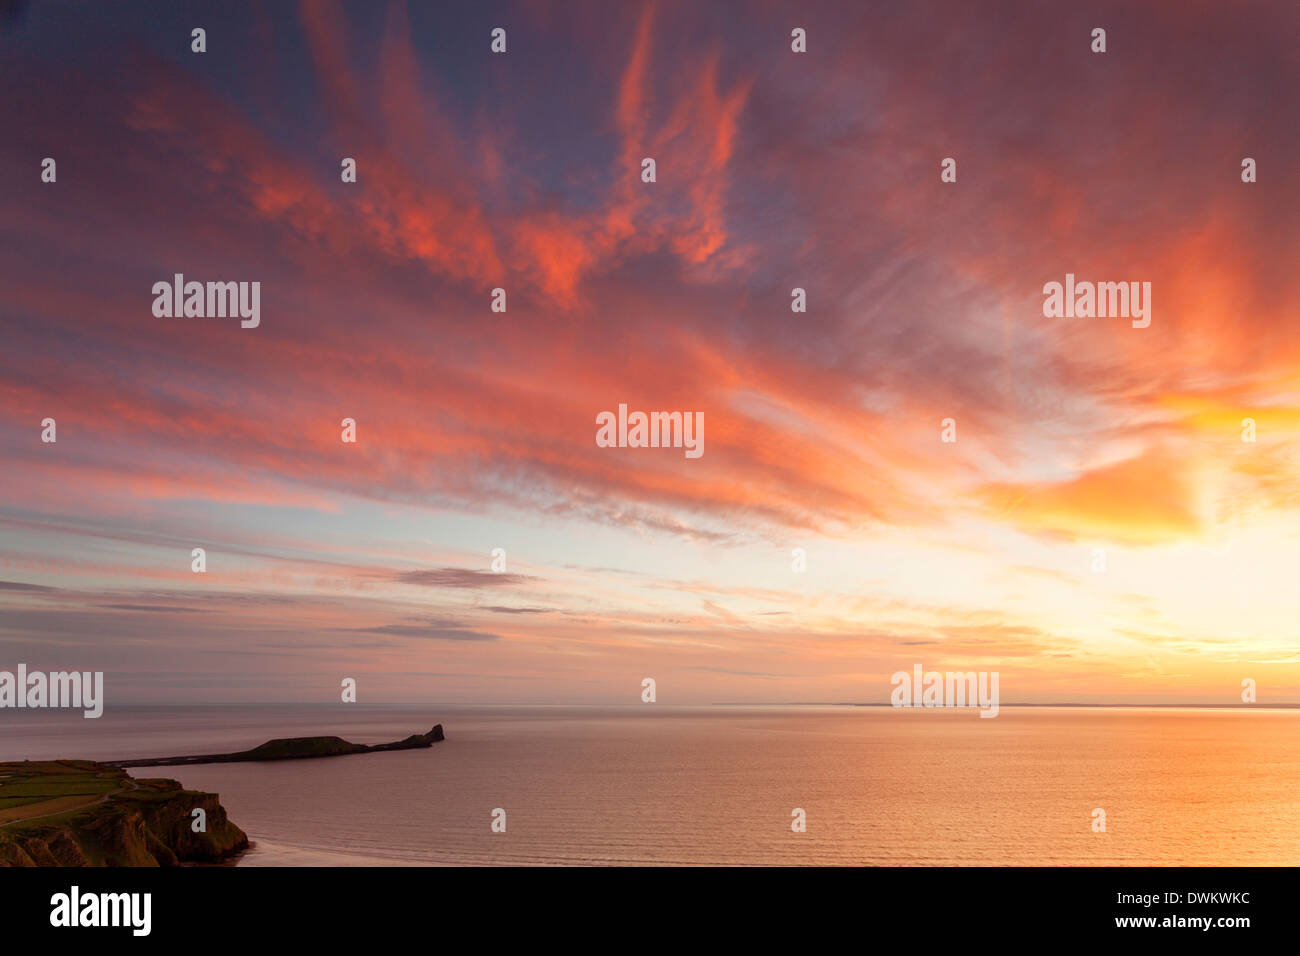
66 850
172 822
38 852
142 823
11 854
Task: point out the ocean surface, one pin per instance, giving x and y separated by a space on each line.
717 785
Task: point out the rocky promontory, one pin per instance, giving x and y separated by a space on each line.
290 748
93 813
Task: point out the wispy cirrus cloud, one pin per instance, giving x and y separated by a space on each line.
775 170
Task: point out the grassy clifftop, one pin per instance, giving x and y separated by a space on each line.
287 748
81 813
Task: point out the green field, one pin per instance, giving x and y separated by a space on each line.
40 787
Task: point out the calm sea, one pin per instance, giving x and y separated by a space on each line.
717 785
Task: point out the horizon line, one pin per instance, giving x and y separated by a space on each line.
595 704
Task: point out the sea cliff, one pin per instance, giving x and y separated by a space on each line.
82 813
89 813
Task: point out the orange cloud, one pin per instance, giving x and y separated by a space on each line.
1150 499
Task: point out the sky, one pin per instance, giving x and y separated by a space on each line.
1078 440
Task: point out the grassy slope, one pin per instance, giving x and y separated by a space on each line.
35 788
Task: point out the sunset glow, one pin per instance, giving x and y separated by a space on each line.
476 430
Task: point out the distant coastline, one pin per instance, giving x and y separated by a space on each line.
886 704
287 748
